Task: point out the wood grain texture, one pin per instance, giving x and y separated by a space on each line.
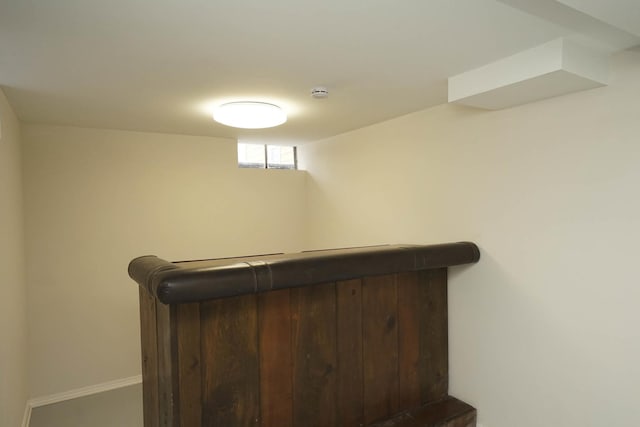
189 366
230 371
168 392
434 343
350 410
149 355
448 412
276 396
314 355
465 420
380 347
410 327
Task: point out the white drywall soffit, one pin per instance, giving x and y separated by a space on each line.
611 25
624 14
552 69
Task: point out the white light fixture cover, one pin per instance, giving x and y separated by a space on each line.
249 115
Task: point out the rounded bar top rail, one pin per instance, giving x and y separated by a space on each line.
193 281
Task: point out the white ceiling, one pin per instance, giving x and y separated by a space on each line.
161 65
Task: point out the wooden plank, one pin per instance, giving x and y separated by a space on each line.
409 330
229 359
189 372
448 412
274 326
350 410
314 355
465 420
149 356
168 396
380 347
434 342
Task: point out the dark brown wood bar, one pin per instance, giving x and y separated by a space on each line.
349 337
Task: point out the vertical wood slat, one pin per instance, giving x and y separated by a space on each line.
149 353
350 408
380 347
313 345
274 330
434 344
168 392
189 366
410 328
230 370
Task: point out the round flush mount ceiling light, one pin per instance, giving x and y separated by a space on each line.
249 115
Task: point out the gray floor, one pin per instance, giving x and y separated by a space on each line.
116 408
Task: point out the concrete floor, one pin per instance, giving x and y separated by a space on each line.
116 408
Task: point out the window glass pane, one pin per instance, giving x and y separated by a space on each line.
281 157
251 156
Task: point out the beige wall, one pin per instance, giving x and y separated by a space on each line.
95 199
544 330
13 301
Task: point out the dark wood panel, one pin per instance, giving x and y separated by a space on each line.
189 367
434 343
168 392
465 420
230 371
314 355
448 412
380 347
276 399
149 354
410 328
349 336
350 353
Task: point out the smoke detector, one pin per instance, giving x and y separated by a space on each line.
320 92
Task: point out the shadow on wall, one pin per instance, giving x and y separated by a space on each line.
513 319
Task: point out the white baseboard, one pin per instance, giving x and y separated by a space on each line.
75 393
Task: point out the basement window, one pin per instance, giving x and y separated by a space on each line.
267 156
